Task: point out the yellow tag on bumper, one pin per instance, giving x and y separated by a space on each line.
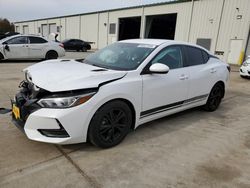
16 111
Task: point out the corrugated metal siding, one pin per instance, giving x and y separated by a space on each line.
72 27
233 28
89 31
205 20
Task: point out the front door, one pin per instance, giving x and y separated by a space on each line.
18 48
164 92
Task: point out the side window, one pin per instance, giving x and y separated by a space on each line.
18 40
37 40
195 56
78 42
170 56
205 56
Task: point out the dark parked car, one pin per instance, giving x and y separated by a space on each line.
8 34
76 44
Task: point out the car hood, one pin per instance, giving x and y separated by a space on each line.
66 75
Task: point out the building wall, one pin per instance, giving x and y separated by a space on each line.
205 21
210 19
233 28
89 31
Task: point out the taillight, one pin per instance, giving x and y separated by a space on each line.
61 45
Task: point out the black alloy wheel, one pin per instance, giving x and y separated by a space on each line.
84 49
214 98
51 55
1 57
110 124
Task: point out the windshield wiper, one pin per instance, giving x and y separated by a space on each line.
96 65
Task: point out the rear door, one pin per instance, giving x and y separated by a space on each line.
37 47
164 92
202 73
18 48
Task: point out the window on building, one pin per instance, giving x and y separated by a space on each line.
205 43
58 29
112 28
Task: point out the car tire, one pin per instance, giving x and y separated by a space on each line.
51 55
110 124
1 57
84 49
214 98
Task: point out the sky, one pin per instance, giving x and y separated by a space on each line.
20 10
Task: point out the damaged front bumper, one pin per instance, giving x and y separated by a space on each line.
58 126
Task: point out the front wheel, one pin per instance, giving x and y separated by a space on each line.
214 98
110 124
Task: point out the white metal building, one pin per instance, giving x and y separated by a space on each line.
222 26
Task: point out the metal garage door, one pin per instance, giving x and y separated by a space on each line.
25 29
52 28
45 31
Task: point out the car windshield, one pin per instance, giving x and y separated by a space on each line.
120 56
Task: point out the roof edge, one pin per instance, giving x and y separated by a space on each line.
107 10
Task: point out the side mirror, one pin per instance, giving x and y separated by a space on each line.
6 47
5 43
159 68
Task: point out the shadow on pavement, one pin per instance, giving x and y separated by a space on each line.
20 61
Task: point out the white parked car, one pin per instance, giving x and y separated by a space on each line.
29 47
245 68
116 89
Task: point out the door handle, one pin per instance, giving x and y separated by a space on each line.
182 77
213 70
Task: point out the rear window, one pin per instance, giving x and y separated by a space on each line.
37 40
195 56
205 56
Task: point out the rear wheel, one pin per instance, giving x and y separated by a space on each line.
214 98
110 124
51 55
84 49
1 57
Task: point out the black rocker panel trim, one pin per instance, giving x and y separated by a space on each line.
171 106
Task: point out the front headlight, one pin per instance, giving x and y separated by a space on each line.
64 102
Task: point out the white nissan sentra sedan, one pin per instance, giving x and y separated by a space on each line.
29 47
116 89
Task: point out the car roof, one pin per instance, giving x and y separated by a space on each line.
25 35
159 42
